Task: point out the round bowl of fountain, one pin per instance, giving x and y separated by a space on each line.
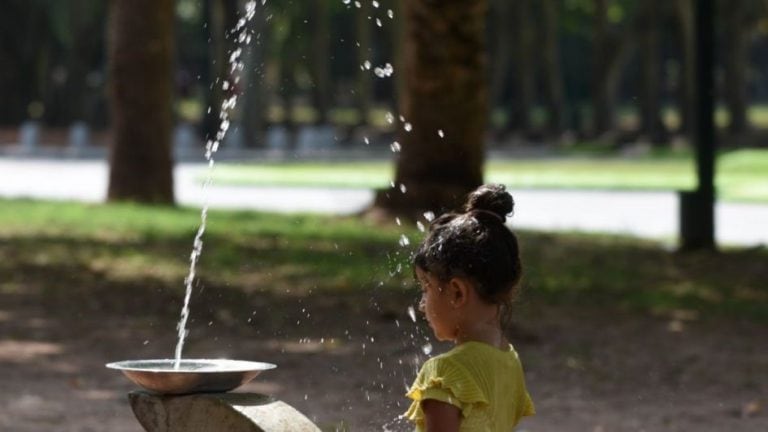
165 376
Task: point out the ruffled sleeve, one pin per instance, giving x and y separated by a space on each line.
444 380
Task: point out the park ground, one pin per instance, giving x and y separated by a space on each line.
615 334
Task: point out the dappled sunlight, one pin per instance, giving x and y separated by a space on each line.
100 394
261 386
130 266
310 346
22 351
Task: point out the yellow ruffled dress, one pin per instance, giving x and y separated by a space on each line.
484 382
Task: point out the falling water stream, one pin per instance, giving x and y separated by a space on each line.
243 38
211 147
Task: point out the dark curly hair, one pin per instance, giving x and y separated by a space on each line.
475 243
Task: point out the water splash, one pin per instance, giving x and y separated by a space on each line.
412 313
211 147
426 348
384 71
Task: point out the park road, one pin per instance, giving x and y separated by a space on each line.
651 215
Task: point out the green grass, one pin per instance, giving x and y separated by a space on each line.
77 252
741 175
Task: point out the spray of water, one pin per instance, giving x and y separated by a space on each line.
211 147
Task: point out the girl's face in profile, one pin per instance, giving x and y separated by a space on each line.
436 306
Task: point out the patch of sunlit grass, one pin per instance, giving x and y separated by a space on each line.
147 253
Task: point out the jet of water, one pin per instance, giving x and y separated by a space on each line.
210 149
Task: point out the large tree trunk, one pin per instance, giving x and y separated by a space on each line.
446 93
686 79
320 59
553 80
140 57
651 125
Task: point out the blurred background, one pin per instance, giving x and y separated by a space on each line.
561 72
641 201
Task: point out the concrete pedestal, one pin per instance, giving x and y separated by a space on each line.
217 412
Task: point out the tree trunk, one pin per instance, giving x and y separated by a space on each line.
501 49
602 102
140 55
320 59
553 81
736 46
608 56
288 63
522 80
254 104
446 94
396 30
686 78
651 125
83 46
221 19
364 53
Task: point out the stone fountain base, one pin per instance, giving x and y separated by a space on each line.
217 412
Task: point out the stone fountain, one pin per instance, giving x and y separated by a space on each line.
193 396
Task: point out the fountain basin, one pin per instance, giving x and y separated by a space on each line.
193 375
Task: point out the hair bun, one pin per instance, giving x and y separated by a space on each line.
492 198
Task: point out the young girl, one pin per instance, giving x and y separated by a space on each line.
468 267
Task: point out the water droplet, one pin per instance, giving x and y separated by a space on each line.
390 14
367 141
440 133
397 221
367 65
390 118
426 348
404 240
378 22
346 2
375 4
225 85
429 216
146 342
395 147
420 226
386 71
408 127
412 313
403 189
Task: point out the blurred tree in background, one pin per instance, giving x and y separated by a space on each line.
445 106
614 70
140 55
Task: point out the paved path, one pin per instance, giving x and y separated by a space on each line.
643 214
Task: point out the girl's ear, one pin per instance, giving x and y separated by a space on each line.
459 290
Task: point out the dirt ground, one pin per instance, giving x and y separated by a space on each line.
344 360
